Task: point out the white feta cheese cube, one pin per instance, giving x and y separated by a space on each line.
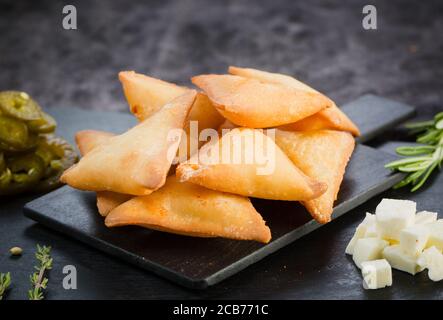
367 249
435 234
359 233
399 260
413 239
376 274
371 226
364 230
424 217
392 216
432 259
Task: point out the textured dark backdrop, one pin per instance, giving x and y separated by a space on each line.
321 42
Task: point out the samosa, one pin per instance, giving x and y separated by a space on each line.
247 162
253 103
87 140
330 118
322 154
189 209
145 95
137 161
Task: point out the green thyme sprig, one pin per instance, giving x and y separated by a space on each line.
421 160
38 279
5 282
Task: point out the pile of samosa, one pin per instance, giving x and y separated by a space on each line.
137 182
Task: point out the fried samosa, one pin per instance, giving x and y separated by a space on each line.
322 154
87 140
247 162
188 209
252 103
330 118
108 200
147 95
203 115
136 162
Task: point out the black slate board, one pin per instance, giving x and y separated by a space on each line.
198 263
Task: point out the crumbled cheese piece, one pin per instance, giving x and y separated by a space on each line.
392 216
376 274
399 260
367 249
413 239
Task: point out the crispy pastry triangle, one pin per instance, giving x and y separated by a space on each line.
137 161
87 140
188 209
146 95
322 154
247 162
253 103
330 118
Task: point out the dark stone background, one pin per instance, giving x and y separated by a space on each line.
320 42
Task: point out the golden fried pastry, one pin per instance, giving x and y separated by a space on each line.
188 209
205 116
108 200
146 95
137 161
322 154
253 103
87 140
247 162
330 118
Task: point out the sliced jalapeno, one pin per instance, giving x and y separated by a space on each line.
5 179
30 144
19 105
46 124
2 163
13 132
26 170
64 157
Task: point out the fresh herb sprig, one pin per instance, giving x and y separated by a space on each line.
38 279
421 160
5 282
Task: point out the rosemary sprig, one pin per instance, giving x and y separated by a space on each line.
421 160
5 281
38 279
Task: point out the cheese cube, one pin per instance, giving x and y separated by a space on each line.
424 217
413 239
399 260
376 274
371 226
432 259
393 216
364 230
367 249
435 234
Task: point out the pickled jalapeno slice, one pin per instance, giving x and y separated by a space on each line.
46 124
13 133
19 105
25 171
63 157
30 144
